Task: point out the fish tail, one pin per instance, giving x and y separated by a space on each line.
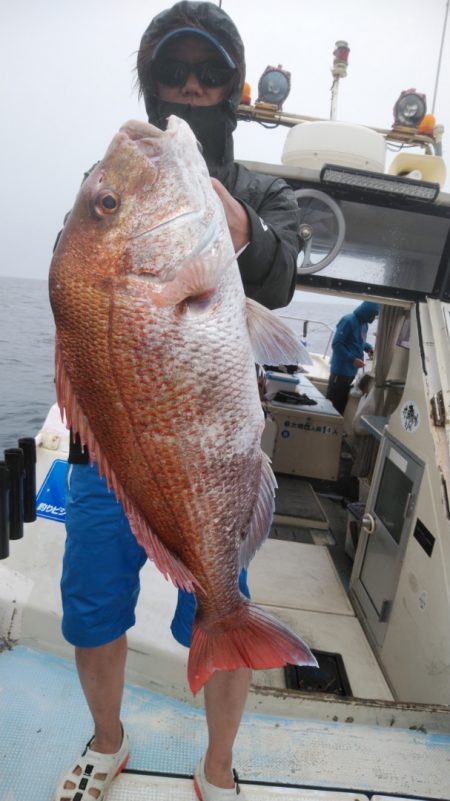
248 637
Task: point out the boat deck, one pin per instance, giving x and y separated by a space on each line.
303 746
45 724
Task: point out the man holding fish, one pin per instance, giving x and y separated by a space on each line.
146 253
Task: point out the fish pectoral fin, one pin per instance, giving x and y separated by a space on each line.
167 562
273 342
198 278
261 520
195 280
249 637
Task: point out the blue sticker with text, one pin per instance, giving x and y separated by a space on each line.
51 498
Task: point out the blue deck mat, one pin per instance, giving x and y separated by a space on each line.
45 723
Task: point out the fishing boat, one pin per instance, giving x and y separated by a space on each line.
358 561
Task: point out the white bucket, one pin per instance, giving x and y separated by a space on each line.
313 144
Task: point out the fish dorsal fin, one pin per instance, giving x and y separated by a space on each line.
261 520
167 562
272 341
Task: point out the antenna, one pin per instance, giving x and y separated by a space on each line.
440 57
338 70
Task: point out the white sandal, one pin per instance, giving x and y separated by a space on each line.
209 792
84 772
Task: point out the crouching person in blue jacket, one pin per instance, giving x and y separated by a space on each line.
348 347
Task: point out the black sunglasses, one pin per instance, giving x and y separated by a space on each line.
176 73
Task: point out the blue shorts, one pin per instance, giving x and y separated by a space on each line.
102 559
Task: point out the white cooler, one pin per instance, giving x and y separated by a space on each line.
306 439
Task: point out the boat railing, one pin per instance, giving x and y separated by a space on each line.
306 330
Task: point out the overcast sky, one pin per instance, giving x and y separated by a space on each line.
67 74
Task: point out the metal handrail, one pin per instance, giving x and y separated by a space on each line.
266 112
306 322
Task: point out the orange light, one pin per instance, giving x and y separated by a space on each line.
246 98
427 124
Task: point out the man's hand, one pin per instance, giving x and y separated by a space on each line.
358 363
370 354
237 217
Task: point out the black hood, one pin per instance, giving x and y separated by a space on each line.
212 125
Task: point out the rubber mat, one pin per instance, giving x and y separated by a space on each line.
296 500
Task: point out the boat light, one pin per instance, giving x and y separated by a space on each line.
427 125
246 97
410 109
379 183
274 86
340 63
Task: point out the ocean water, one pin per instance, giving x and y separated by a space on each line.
26 359
27 349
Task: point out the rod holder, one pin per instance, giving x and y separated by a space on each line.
4 510
15 465
28 446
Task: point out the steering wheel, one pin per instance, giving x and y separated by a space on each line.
322 228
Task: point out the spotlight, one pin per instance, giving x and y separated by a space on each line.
274 86
379 183
410 109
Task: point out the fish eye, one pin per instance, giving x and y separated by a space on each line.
106 202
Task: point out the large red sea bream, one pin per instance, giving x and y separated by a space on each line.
155 354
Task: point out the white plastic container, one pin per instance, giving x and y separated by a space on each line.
280 381
313 144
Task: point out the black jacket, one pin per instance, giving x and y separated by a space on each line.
268 264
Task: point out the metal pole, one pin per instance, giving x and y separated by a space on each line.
334 98
440 57
266 112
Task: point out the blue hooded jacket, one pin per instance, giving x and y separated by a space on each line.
349 341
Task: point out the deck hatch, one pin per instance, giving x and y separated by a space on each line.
330 677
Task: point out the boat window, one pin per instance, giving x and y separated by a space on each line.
390 247
393 495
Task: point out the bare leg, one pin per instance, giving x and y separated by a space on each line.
101 671
225 696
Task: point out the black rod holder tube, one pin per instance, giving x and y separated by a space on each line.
28 445
4 511
14 462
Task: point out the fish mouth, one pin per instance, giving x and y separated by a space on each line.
149 140
194 227
137 130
